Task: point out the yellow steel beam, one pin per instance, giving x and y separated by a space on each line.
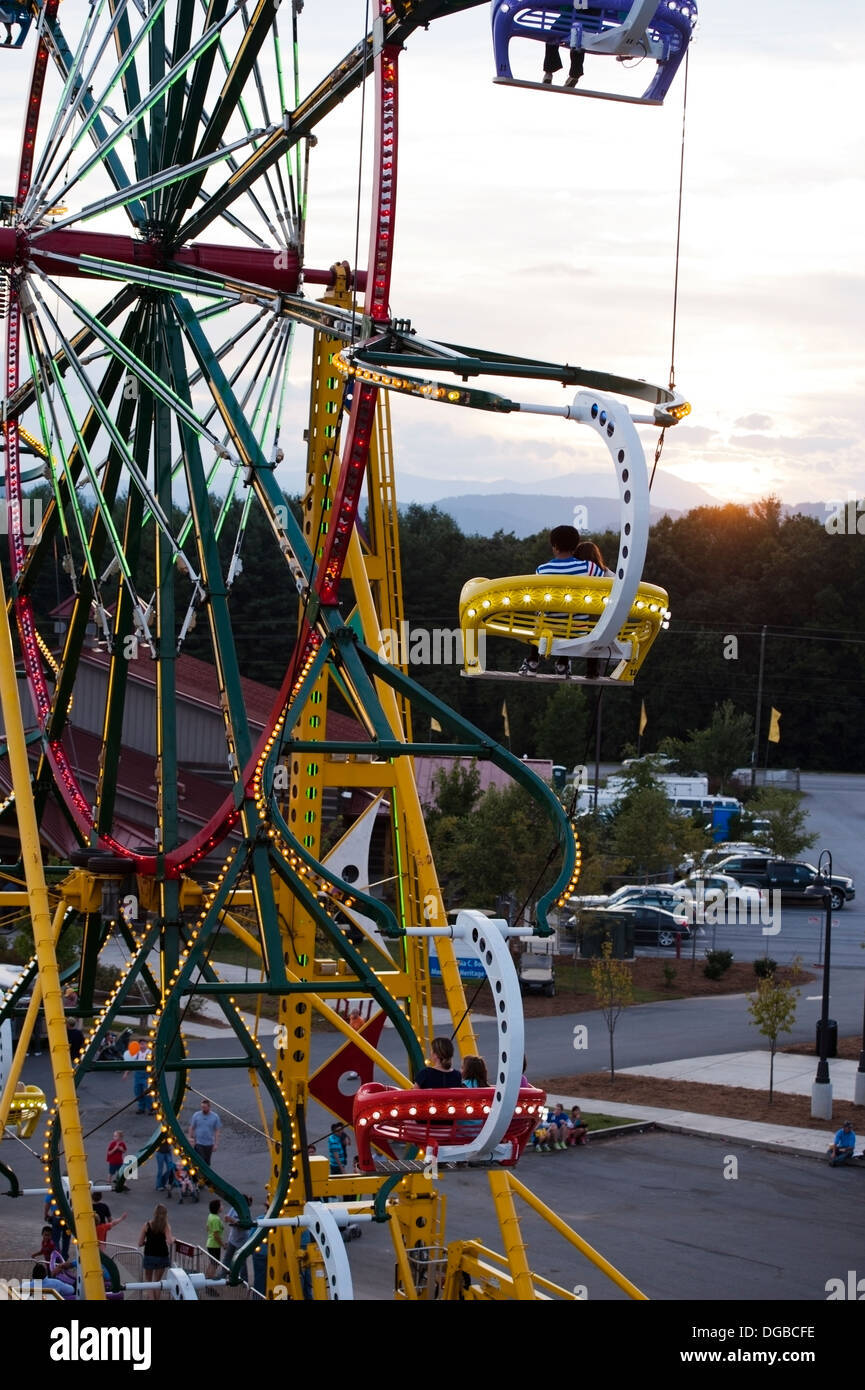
512 1236
16 1065
570 1235
407 1290
428 891
49 973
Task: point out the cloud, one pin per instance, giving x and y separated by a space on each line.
753 422
781 444
694 434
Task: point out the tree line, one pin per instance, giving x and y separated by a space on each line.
730 572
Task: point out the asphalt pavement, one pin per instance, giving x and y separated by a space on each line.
661 1205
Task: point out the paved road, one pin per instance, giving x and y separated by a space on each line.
659 1207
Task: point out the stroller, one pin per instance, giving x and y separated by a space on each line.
114 1046
180 1181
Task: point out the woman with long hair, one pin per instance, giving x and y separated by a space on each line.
157 1240
474 1071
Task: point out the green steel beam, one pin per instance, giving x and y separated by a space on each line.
222 636
332 90
241 68
193 115
63 58
166 634
131 95
239 429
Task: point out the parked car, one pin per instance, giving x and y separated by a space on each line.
714 882
723 897
646 895
711 857
791 878
650 894
653 926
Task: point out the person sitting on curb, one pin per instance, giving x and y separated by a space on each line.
557 1122
579 1130
845 1143
542 1138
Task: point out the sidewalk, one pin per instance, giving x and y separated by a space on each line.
793 1076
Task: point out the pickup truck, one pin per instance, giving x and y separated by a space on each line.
790 878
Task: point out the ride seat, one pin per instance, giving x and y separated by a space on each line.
427 1119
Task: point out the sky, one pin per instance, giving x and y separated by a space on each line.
543 225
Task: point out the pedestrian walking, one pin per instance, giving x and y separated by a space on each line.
204 1131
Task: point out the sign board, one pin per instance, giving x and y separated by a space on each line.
470 967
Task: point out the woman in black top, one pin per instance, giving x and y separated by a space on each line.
441 1071
156 1238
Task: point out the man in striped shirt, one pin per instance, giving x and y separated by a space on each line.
563 542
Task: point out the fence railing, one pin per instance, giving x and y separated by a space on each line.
191 1258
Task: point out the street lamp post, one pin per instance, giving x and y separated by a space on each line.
821 1090
859 1087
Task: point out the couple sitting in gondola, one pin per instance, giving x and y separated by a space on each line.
570 556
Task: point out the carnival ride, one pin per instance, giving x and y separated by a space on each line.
651 30
146 363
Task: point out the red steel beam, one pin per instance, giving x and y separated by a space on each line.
272 270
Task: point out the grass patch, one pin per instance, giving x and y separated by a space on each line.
234 952
576 978
604 1121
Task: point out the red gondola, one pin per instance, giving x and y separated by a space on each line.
433 1119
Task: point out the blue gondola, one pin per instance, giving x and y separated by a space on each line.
645 30
15 21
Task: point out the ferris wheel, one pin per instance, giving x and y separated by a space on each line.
153 253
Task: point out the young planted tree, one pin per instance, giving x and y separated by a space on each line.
783 810
773 1009
613 986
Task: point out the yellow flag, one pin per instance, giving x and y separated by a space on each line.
435 727
507 722
774 734
643 720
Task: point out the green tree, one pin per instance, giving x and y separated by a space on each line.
599 861
649 836
773 1009
505 845
613 986
560 732
456 789
643 832
719 748
787 835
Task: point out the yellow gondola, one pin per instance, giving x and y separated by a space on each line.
28 1103
558 614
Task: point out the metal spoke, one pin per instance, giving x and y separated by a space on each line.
178 282
92 126
81 86
150 184
120 445
48 432
47 361
155 95
67 104
162 392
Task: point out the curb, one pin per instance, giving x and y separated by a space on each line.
615 1132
